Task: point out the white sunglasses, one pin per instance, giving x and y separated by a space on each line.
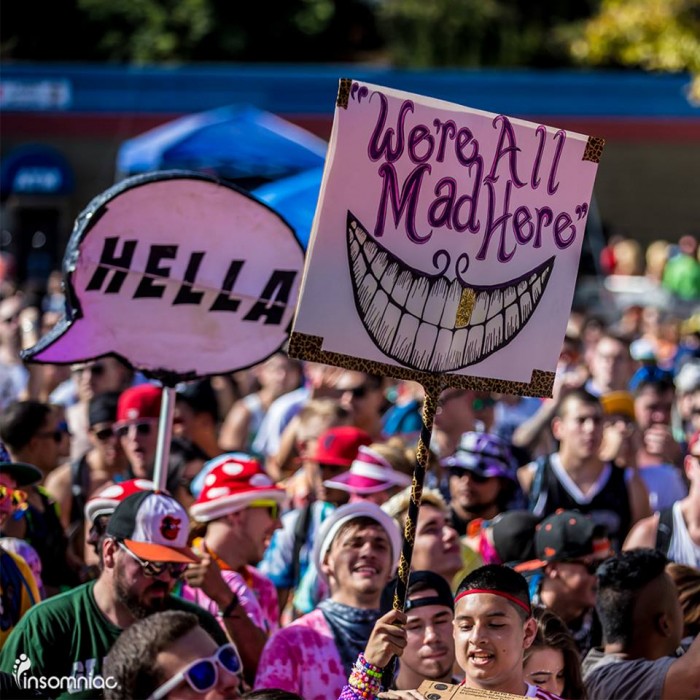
203 674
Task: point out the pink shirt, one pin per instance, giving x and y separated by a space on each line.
302 658
259 600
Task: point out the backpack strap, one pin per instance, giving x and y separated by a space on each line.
301 532
539 486
664 531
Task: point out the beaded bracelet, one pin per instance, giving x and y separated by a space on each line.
365 678
367 667
366 686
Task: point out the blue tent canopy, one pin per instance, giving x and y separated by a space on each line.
236 142
295 199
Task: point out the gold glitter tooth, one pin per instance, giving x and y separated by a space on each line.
466 305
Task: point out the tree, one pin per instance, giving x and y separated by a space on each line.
443 33
656 35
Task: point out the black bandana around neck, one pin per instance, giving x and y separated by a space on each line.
351 628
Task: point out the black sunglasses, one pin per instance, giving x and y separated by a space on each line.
104 434
143 428
156 568
55 435
474 476
358 392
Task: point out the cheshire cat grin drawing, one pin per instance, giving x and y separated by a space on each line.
429 322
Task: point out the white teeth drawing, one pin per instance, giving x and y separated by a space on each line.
412 316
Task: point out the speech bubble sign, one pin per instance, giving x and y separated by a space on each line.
446 242
179 274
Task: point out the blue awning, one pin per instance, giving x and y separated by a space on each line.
295 198
234 142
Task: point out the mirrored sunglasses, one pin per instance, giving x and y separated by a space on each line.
18 497
156 568
203 674
273 507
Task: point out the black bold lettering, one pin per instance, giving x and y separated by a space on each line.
274 298
147 287
110 260
224 302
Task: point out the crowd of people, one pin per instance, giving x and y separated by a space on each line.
557 547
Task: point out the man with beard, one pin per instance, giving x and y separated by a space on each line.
356 552
143 554
238 511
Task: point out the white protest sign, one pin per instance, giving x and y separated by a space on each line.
446 241
180 275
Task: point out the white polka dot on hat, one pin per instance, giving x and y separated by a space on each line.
235 483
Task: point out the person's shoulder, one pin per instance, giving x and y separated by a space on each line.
282 403
55 612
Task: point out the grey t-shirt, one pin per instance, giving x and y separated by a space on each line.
614 677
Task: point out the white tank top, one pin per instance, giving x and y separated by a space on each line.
682 549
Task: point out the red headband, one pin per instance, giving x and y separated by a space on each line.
507 596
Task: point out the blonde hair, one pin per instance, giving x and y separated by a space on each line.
394 451
397 506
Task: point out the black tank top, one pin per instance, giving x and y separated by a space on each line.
609 507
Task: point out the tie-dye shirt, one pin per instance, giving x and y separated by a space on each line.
257 596
302 658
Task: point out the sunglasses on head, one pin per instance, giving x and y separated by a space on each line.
203 674
18 497
273 507
156 568
143 428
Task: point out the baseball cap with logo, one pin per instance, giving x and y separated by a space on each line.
567 535
136 402
107 499
153 526
484 454
233 485
369 473
339 445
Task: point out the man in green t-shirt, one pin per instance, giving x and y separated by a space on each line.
59 645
